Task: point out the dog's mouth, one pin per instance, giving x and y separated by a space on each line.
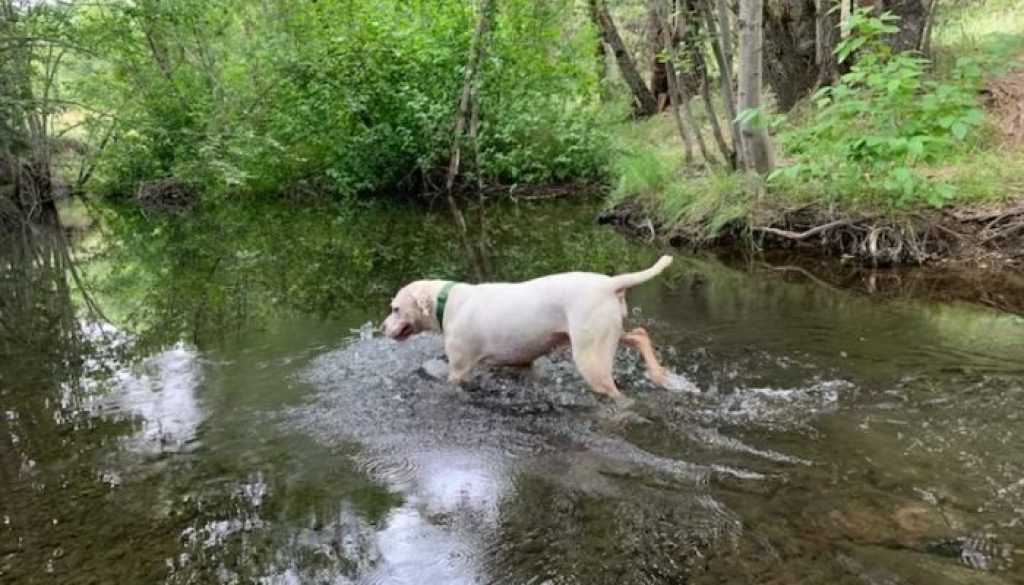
404 333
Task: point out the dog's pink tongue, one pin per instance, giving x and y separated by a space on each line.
404 333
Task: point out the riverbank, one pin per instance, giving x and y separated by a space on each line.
882 177
985 236
965 255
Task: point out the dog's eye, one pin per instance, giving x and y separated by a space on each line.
394 309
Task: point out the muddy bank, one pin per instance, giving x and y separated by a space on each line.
991 236
972 255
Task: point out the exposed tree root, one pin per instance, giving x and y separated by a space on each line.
912 239
802 235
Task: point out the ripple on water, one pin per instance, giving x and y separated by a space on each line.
375 392
467 463
753 407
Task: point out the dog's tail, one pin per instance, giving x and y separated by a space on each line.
624 281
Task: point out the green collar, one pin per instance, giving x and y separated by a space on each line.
442 300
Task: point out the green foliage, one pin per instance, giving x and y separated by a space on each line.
704 204
227 267
648 167
980 27
33 40
643 173
343 96
871 134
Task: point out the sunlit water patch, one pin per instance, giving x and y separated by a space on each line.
160 395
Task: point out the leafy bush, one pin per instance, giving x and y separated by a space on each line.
343 96
870 134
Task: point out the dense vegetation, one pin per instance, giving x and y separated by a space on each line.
896 133
870 133
341 96
176 102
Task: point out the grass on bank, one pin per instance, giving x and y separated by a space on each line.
986 169
648 169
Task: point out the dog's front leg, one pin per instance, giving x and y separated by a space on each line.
460 364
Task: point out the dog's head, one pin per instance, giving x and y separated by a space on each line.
412 311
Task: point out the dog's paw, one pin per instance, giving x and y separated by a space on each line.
674 382
457 393
624 403
621 413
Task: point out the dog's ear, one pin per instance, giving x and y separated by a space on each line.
423 302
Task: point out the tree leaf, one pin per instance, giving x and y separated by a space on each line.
959 130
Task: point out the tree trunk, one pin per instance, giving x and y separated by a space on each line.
675 92
467 118
721 47
674 99
820 30
801 35
798 45
644 103
659 74
845 9
914 16
677 86
27 74
705 91
926 35
466 98
758 154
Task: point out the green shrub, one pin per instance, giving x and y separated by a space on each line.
871 133
343 96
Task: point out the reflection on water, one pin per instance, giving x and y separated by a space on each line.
814 436
159 393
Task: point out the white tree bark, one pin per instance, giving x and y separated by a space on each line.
844 16
757 148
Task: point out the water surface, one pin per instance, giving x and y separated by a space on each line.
238 423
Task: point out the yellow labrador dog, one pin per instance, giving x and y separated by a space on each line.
512 324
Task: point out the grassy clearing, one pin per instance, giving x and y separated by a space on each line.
987 170
986 177
972 29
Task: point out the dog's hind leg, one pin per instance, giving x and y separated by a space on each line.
639 339
593 350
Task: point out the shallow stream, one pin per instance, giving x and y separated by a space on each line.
815 435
